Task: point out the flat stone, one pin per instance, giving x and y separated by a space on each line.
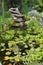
18 15
19 20
14 10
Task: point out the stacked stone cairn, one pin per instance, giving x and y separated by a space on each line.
17 16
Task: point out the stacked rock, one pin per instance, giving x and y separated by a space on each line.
17 16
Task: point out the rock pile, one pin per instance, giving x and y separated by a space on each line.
17 16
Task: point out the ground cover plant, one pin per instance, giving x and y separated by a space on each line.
21 46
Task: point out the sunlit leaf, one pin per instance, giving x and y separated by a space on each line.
8 53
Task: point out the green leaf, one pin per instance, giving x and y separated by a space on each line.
8 53
3 44
10 32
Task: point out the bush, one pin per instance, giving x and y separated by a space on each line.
23 45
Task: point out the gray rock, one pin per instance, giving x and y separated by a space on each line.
33 13
0 63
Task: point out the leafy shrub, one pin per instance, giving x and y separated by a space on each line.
23 45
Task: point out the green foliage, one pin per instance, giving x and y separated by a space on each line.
23 5
23 44
8 35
